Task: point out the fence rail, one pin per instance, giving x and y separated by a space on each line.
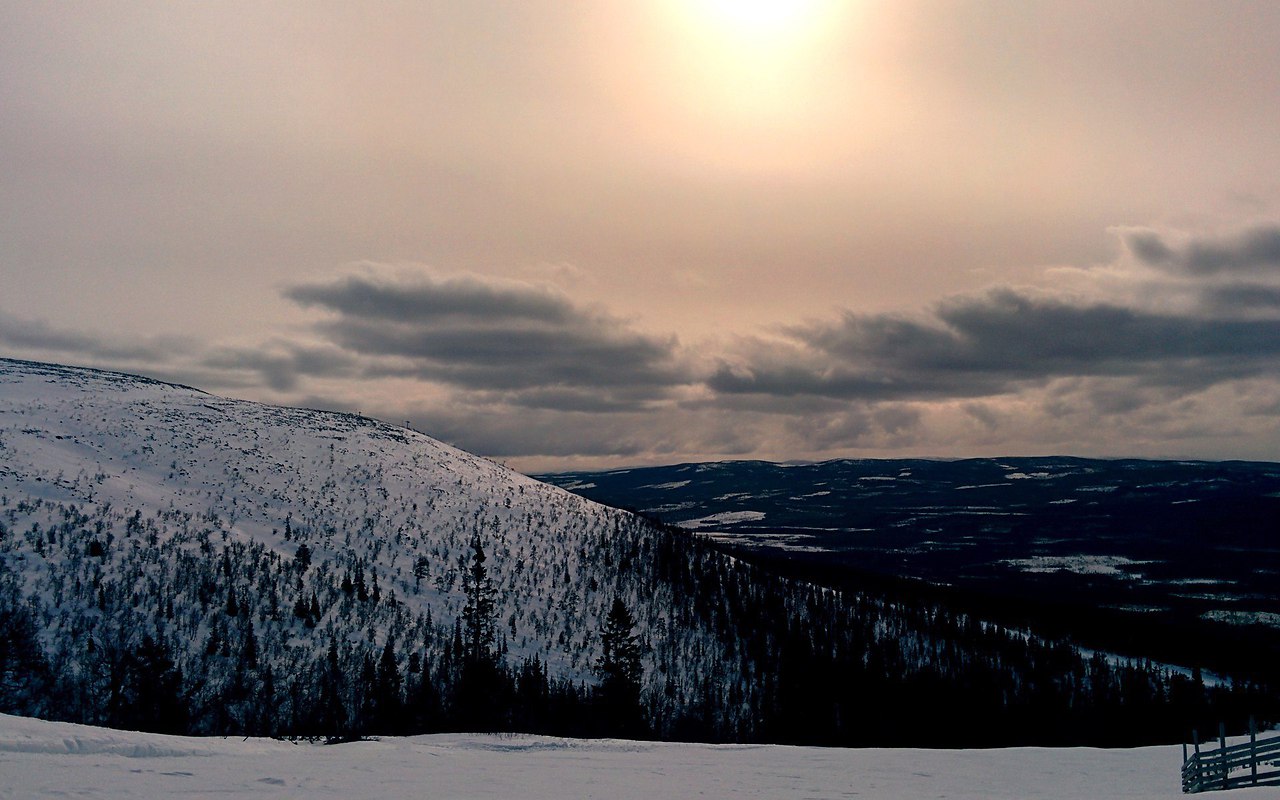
1231 767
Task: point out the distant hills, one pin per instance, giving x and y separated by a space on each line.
1121 552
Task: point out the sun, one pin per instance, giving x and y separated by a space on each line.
753 60
770 33
752 86
762 19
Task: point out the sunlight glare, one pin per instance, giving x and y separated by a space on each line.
759 20
758 62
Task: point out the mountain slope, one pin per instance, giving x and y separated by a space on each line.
126 491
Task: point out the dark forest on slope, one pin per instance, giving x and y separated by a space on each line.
187 632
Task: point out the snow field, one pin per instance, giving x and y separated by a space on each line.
40 759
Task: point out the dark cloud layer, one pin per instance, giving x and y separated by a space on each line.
1253 250
283 367
994 343
431 298
41 336
526 341
520 371
1241 297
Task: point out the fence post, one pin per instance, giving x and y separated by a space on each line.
1222 751
1186 772
1195 740
1253 749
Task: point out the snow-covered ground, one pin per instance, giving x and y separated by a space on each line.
49 759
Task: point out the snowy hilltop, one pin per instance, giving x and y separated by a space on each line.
153 464
137 508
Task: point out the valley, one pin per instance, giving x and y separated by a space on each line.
1172 559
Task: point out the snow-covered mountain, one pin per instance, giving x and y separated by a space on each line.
266 479
134 507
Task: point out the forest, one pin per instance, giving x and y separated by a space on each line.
137 625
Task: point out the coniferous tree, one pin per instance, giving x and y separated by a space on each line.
479 615
153 689
480 690
621 673
387 704
422 697
302 558
23 678
421 568
330 715
266 707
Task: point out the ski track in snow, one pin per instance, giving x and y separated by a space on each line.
40 759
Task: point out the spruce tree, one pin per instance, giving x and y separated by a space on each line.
481 687
302 558
621 673
479 614
330 710
386 692
421 568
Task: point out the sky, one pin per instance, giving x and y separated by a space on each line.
572 235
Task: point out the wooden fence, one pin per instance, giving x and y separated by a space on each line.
1253 763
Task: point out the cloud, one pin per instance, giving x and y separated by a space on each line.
1241 297
282 365
1156 353
431 298
527 341
278 365
997 343
1253 250
498 434
38 336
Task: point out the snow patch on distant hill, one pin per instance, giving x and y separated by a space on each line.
1081 565
670 485
723 518
1267 618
